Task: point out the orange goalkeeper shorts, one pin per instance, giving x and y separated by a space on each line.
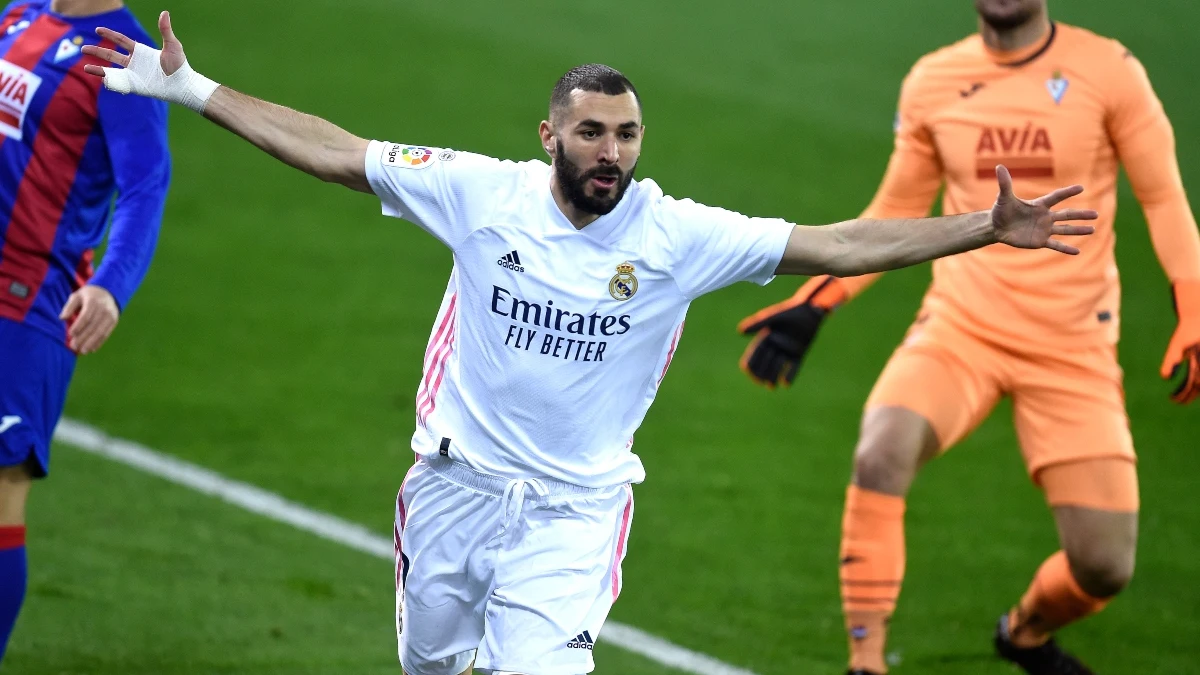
1068 406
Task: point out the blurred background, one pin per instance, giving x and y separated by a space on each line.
278 338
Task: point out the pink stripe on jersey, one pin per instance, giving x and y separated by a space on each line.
622 542
441 328
433 352
431 403
671 352
425 408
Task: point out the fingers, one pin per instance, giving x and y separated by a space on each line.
83 325
164 27
789 372
759 320
117 79
750 357
1072 230
1056 245
93 70
72 307
91 329
1189 389
1005 180
119 39
107 54
759 363
752 324
93 341
1074 214
762 362
1060 195
769 373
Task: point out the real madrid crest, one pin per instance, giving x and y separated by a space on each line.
623 284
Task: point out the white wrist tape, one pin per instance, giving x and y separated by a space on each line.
144 76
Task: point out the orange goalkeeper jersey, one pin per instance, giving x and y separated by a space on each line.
1067 110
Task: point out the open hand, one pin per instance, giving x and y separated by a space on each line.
158 73
170 60
1031 224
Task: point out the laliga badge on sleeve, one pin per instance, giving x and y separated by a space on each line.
406 156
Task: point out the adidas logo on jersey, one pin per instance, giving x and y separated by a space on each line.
511 261
582 641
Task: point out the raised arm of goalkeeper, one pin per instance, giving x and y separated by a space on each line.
783 332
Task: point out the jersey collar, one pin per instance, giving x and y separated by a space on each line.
602 227
1019 57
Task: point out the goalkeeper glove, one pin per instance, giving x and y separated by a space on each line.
784 331
1183 353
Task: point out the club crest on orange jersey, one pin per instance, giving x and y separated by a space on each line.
623 284
1057 86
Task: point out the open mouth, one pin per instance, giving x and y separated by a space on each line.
604 182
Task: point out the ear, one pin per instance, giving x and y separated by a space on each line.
546 132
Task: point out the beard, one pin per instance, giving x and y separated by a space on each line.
574 182
1006 20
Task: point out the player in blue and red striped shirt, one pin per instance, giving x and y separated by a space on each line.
67 148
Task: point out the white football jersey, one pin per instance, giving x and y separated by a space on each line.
551 341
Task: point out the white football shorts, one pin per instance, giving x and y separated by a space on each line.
517 575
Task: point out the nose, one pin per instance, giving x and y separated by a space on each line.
609 152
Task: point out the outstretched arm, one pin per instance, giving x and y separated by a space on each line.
306 142
862 246
303 141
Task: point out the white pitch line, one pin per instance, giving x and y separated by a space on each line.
352 535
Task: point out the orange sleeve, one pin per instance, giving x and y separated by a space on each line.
1145 143
914 174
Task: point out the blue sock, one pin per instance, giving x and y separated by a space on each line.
13 577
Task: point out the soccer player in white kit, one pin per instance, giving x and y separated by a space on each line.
565 306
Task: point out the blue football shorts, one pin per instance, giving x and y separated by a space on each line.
35 371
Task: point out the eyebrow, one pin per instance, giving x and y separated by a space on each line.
600 125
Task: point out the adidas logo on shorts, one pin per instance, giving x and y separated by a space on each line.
511 261
582 641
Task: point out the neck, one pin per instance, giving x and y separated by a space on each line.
84 7
1017 37
580 219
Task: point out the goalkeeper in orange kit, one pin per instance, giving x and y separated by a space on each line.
1054 104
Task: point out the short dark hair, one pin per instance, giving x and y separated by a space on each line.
595 77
